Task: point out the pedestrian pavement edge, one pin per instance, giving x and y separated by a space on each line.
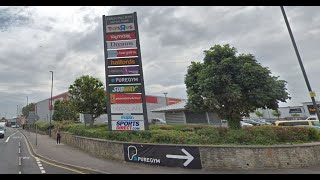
87 170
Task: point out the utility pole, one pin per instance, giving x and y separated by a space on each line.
301 64
165 95
51 103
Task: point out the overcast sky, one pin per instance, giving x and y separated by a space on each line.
68 41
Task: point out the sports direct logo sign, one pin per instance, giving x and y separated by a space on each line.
127 125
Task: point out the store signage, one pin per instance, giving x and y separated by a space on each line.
121 36
124 70
127 117
124 80
122 53
126 108
125 89
128 125
121 44
125 98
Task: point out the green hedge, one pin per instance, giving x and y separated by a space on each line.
193 134
203 135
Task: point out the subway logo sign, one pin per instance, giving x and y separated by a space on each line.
125 89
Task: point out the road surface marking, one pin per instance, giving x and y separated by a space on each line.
41 168
43 171
19 144
37 159
19 172
39 164
10 136
19 161
19 150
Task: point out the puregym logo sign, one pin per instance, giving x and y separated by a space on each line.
125 89
124 80
121 44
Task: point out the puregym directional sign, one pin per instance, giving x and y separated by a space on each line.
171 156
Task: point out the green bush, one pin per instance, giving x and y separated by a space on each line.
196 134
43 125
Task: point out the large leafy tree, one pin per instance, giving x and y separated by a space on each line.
232 85
259 114
88 95
64 110
26 109
276 113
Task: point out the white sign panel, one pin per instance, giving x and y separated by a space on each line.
120 27
128 125
127 117
126 108
121 44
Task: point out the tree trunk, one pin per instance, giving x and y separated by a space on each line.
92 120
234 121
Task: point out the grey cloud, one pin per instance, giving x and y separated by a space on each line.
12 16
171 37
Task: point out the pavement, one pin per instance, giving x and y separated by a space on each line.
78 161
16 158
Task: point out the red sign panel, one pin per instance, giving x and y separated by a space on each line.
121 36
125 98
173 101
151 99
122 53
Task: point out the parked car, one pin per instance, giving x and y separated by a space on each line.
158 121
297 123
255 123
263 122
245 124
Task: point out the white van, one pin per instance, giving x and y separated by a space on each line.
2 129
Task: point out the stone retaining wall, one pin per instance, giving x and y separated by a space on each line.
216 156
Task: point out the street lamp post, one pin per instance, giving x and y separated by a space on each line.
300 62
165 95
51 103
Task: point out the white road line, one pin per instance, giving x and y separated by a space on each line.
19 161
43 171
19 144
19 172
10 136
38 162
7 139
40 165
19 150
41 168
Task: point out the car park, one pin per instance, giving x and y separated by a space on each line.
158 121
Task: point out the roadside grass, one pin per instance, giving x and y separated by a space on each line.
194 134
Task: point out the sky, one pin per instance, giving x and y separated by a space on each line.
69 42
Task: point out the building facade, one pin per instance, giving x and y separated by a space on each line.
177 114
42 108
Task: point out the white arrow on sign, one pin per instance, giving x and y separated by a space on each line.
188 156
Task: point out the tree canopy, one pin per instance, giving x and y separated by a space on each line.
232 85
64 110
88 95
27 109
